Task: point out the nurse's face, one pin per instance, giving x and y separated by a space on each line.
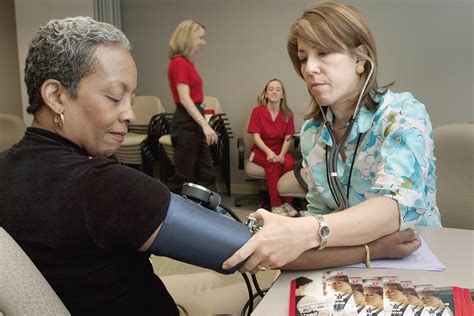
395 295
413 300
199 41
274 92
431 301
372 298
341 286
330 76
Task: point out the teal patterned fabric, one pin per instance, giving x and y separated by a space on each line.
395 159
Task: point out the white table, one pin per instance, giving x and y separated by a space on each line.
453 247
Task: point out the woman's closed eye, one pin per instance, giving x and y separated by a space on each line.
114 99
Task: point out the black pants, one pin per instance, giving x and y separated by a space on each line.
191 152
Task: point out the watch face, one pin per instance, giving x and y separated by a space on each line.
324 231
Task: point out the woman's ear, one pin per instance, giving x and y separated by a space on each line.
361 50
51 93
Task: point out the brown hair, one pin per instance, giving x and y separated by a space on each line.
336 27
182 40
261 99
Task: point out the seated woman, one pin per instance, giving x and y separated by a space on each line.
271 124
368 153
88 223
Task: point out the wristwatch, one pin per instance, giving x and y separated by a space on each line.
323 232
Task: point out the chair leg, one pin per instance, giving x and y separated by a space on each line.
247 197
265 199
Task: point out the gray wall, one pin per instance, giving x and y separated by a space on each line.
30 15
425 46
10 96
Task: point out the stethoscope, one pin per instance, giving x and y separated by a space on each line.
335 185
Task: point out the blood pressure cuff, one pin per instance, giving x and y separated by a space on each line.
196 235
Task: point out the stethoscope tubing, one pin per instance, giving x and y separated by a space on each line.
335 184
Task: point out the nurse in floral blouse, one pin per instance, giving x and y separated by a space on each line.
386 167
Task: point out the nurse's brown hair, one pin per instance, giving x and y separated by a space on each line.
335 27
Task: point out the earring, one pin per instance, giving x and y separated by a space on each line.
360 69
58 119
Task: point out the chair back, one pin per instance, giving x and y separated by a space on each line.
247 138
145 107
454 152
12 129
167 144
212 103
23 289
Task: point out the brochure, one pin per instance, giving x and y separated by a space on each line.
337 293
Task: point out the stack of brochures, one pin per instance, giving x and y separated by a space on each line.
337 293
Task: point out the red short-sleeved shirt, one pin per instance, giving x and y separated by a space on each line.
272 132
182 70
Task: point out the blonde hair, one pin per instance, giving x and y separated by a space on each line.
336 27
261 99
183 38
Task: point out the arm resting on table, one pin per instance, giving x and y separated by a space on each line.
397 245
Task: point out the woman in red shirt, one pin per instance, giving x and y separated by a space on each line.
190 132
271 124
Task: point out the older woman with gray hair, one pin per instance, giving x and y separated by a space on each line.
84 220
63 200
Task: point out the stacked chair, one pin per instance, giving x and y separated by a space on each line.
160 147
220 151
131 152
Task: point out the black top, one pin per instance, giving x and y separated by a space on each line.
81 220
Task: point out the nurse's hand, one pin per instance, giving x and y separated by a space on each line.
271 156
281 240
397 245
280 158
211 136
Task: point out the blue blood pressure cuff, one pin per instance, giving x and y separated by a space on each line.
196 235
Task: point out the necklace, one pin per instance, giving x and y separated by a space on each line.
340 128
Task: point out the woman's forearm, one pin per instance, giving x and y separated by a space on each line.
364 222
260 143
397 245
189 105
286 145
328 257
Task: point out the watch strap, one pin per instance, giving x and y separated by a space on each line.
323 231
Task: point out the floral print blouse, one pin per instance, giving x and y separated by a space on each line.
394 159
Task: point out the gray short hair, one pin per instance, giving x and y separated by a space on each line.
64 50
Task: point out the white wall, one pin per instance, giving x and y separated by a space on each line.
30 15
426 46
